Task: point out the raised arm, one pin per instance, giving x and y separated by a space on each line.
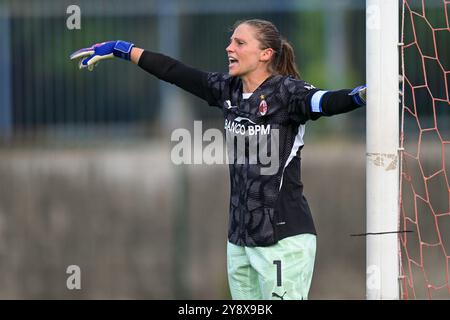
161 66
175 72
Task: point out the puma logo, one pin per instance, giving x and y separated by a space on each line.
274 294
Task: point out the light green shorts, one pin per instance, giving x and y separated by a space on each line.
281 271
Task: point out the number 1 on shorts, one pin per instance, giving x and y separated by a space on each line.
278 264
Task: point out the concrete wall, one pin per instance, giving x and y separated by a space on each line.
114 213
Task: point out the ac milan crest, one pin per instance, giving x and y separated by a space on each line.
263 106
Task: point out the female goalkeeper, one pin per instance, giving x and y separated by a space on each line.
271 236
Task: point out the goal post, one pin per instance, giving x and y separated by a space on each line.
382 142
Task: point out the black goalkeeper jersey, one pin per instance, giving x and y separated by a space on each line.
266 201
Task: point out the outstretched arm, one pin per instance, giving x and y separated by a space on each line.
161 66
175 72
309 103
329 103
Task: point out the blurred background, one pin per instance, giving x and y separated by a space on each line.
85 171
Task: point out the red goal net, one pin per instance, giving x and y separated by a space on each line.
425 150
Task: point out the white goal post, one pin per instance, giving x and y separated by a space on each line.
382 143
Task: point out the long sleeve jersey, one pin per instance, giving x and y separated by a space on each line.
266 201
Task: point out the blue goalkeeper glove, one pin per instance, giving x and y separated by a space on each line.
101 51
359 95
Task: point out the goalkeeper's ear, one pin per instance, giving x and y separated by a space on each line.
359 95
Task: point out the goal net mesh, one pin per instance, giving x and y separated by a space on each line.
425 150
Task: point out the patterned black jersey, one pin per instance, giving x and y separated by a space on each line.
264 208
264 138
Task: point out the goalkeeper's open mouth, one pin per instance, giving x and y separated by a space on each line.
232 62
